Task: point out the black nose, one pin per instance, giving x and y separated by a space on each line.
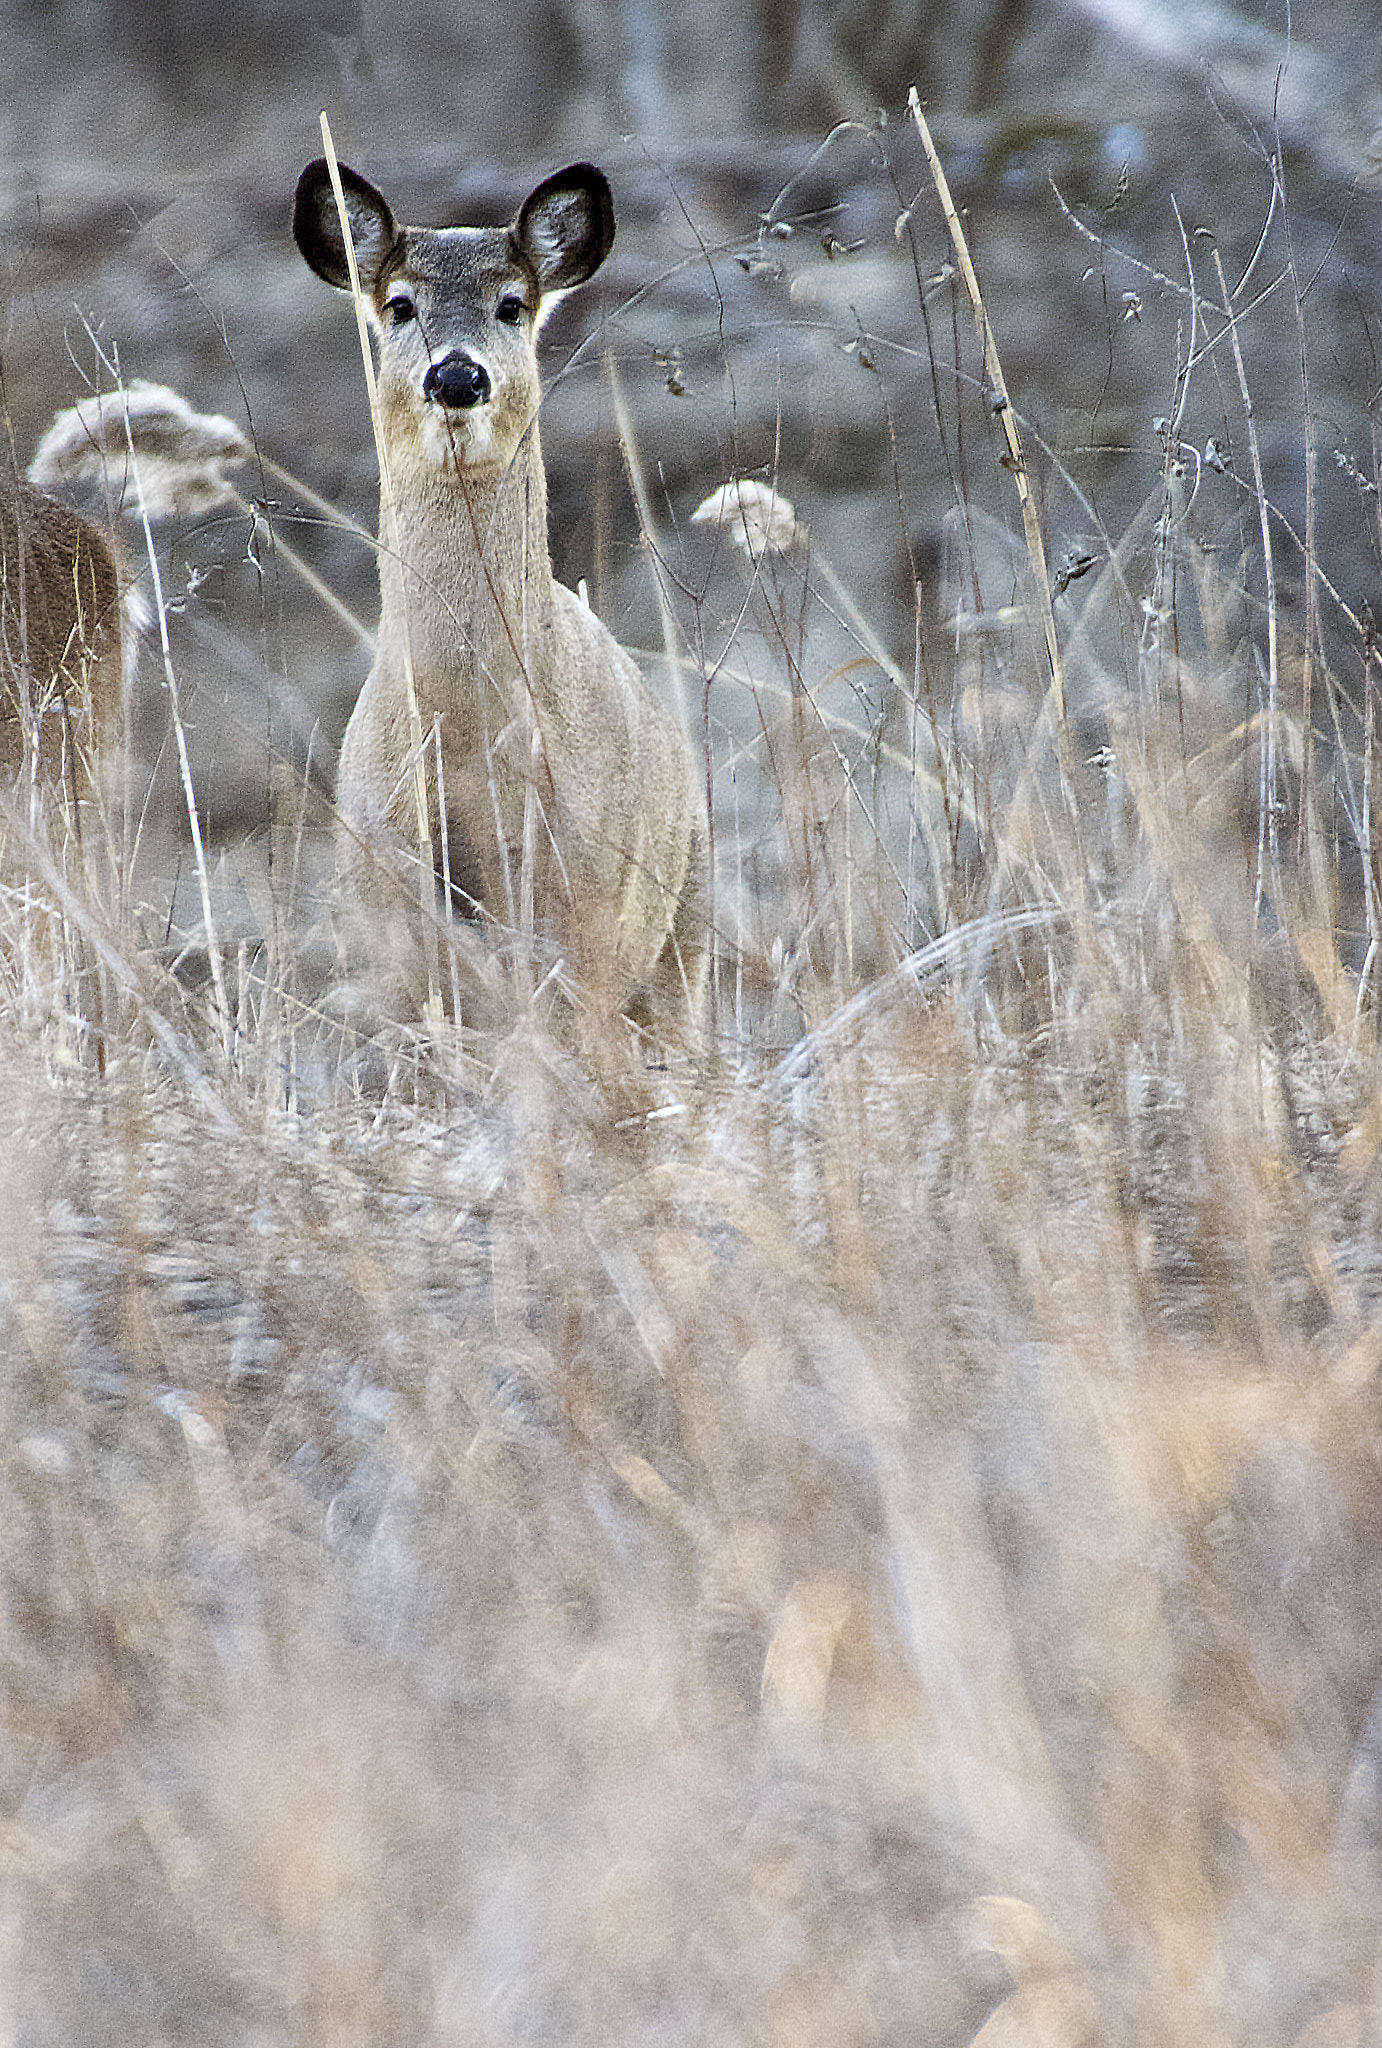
457 381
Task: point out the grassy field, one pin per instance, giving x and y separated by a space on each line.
865 1531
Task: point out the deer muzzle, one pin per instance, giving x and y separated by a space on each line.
457 381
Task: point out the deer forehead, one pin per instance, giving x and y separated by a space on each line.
459 267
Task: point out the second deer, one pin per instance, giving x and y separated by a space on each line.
60 662
566 808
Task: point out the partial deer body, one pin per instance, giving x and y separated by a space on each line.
60 668
567 803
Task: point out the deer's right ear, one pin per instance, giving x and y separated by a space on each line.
317 225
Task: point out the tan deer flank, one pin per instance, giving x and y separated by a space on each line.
568 791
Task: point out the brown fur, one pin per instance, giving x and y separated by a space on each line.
59 639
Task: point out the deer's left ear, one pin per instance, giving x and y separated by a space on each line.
565 227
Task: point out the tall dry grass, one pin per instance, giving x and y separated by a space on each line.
866 1534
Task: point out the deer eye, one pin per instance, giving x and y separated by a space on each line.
401 308
511 309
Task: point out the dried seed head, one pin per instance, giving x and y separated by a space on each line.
759 519
182 455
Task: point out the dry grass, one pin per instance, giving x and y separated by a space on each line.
866 1535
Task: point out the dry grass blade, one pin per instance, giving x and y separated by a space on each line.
1001 401
390 540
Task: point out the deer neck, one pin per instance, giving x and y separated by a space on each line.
466 573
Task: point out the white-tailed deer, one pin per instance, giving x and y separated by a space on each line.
567 799
60 667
